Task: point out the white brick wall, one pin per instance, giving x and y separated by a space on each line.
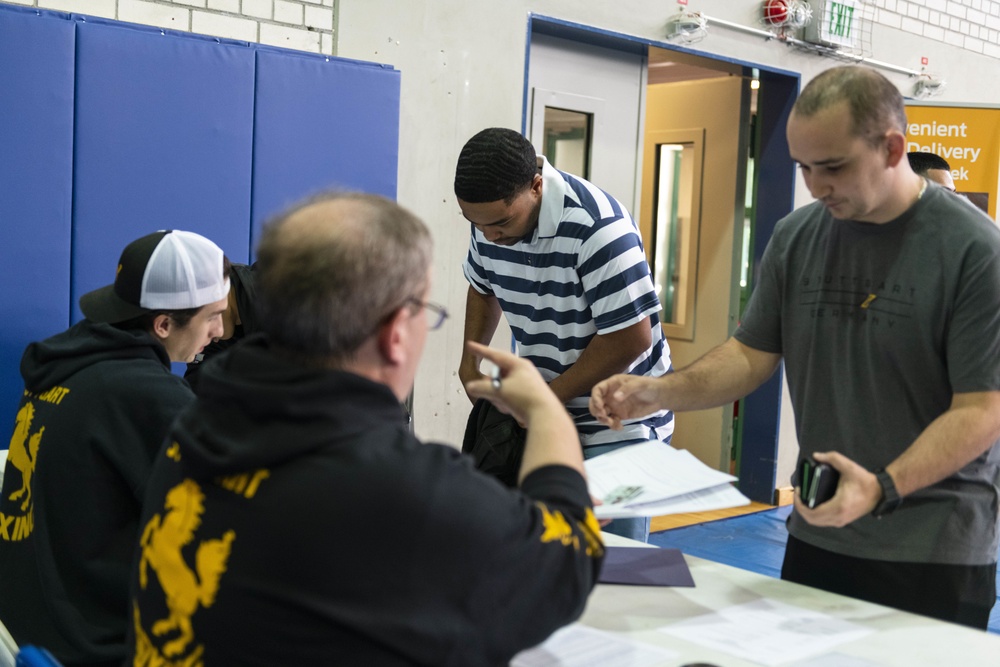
152 13
306 25
970 24
103 8
263 9
219 25
288 12
319 18
229 6
288 37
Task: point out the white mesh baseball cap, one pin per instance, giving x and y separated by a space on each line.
166 270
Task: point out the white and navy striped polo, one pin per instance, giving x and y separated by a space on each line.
582 272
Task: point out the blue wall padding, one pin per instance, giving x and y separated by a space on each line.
36 174
109 131
310 109
164 128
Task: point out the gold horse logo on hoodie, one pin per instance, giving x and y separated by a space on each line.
185 589
23 453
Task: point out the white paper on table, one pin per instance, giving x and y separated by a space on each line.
767 631
579 646
705 500
654 469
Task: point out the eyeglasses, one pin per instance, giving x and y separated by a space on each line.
440 312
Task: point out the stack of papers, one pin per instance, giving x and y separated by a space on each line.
769 632
653 478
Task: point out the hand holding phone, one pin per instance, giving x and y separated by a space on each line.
817 482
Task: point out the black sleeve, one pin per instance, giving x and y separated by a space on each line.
136 419
529 557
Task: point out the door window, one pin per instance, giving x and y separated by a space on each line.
675 228
568 140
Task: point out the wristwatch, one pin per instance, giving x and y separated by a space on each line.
890 497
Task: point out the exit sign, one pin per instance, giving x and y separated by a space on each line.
835 23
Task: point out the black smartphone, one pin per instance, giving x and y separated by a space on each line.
817 482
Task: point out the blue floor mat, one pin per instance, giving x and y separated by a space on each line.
754 542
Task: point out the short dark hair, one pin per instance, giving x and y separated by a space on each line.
324 290
921 162
495 164
875 103
181 317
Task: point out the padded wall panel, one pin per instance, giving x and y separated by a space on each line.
164 126
321 123
36 163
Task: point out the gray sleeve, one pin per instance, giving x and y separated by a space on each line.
760 326
973 337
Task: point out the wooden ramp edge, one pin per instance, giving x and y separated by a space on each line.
659 523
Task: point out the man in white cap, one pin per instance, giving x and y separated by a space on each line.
97 402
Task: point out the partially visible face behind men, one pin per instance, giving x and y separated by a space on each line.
230 316
942 177
506 224
418 328
842 170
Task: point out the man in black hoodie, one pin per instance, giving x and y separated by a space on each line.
97 402
293 519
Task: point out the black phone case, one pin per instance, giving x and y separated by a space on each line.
817 482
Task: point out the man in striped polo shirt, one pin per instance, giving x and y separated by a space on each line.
563 261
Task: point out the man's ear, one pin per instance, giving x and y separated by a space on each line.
895 145
536 185
391 337
162 326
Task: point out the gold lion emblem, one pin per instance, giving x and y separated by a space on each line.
185 589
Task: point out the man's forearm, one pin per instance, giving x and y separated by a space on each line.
604 356
482 315
967 429
551 440
959 435
723 375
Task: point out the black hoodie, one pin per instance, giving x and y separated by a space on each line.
293 519
97 405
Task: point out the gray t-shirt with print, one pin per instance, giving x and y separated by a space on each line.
879 325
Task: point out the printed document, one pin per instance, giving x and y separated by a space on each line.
767 631
653 478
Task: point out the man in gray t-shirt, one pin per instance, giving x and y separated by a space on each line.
883 299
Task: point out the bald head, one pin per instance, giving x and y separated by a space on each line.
331 269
